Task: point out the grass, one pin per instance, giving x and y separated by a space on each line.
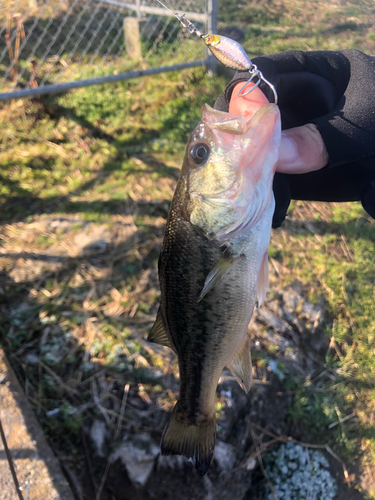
96 165
112 148
86 179
335 260
297 24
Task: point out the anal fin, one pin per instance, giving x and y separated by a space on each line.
158 333
241 366
263 280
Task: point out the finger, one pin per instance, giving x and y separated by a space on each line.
249 104
302 150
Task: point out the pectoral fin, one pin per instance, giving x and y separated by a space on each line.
158 333
222 267
241 366
263 280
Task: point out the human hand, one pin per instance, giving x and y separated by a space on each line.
327 106
302 149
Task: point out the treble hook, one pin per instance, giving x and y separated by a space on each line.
256 73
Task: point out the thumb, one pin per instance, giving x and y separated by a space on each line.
249 104
302 150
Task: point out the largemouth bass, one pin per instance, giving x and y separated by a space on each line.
213 266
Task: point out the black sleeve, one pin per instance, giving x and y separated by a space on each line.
336 92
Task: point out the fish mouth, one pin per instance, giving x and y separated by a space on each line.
239 124
257 136
227 122
250 192
264 126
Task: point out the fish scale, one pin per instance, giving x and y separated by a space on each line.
225 309
213 267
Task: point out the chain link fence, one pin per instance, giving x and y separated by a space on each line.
56 45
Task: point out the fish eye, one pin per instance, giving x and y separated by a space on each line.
200 153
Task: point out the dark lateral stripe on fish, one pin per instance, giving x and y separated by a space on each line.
191 383
207 303
193 317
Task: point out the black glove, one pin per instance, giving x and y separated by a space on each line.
336 92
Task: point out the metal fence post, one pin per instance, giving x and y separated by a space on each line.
212 11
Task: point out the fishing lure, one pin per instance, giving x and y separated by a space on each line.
229 52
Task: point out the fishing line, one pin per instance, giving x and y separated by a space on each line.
227 51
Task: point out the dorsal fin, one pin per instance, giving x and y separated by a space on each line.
263 280
158 333
241 366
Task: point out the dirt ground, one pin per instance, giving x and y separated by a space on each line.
87 181
115 412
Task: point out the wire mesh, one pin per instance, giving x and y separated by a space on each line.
44 42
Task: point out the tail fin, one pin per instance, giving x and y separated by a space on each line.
194 441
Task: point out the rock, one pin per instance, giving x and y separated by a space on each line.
98 433
291 299
272 320
138 455
31 359
224 456
292 320
53 413
313 313
273 365
282 343
235 401
175 462
251 465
